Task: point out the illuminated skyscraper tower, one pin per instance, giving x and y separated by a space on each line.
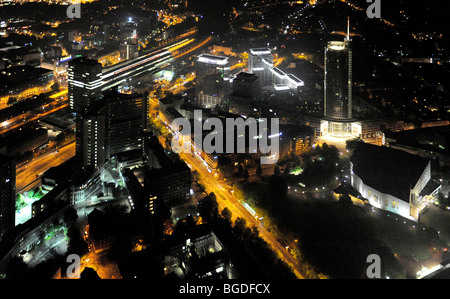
338 87
338 81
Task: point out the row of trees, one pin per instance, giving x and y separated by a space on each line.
321 166
250 254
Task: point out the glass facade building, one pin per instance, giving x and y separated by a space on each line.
338 81
338 90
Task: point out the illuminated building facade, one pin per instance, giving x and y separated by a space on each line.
85 81
393 180
283 81
212 80
260 63
111 126
338 84
338 81
90 138
21 82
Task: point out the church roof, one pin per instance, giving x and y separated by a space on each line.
388 170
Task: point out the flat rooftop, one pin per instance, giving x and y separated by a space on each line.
388 170
435 139
260 51
296 81
213 59
85 61
21 74
246 77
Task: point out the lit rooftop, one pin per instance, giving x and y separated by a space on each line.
337 46
213 59
260 51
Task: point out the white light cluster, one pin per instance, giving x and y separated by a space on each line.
217 60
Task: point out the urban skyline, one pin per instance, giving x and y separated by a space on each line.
314 134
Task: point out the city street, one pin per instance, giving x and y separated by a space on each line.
227 200
29 175
31 116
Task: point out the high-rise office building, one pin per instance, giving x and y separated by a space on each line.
247 86
245 89
111 126
128 31
90 138
260 63
338 81
7 193
85 79
338 86
126 119
212 80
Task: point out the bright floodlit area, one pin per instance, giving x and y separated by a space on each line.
24 202
339 142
